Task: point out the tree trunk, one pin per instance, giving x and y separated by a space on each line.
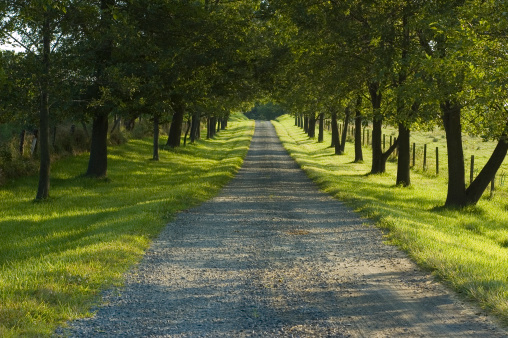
187 133
208 127
475 191
358 132
98 161
45 161
335 130
306 124
212 121
378 165
116 123
195 124
404 160
155 137
312 125
344 130
456 196
226 120
175 130
321 127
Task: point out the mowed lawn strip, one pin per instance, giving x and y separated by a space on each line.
468 249
57 256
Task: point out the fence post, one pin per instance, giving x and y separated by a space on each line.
414 153
471 173
492 186
437 161
424 157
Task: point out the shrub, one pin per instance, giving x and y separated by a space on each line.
117 138
70 142
142 129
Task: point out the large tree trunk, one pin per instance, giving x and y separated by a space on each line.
175 130
358 132
456 196
404 160
45 161
321 127
403 163
306 124
155 137
312 125
212 122
98 161
344 130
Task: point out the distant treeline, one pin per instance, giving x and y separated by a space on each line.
268 111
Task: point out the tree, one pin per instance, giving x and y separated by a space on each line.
456 65
35 26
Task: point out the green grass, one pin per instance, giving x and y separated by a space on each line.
57 256
467 249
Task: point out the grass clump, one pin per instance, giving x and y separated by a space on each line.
57 256
465 248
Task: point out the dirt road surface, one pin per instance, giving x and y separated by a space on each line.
271 256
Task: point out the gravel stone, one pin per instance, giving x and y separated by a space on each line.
272 256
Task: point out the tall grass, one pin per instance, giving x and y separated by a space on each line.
467 249
57 256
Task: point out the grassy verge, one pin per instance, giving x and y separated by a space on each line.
468 249
56 256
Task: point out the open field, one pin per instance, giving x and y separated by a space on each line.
57 256
467 249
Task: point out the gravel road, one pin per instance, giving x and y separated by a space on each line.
271 256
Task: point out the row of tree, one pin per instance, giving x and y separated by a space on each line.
414 64
410 63
89 60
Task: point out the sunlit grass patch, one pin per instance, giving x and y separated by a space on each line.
468 249
57 256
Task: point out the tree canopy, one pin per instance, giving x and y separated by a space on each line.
411 64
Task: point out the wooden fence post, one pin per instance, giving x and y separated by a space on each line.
492 186
425 157
437 161
414 154
471 173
